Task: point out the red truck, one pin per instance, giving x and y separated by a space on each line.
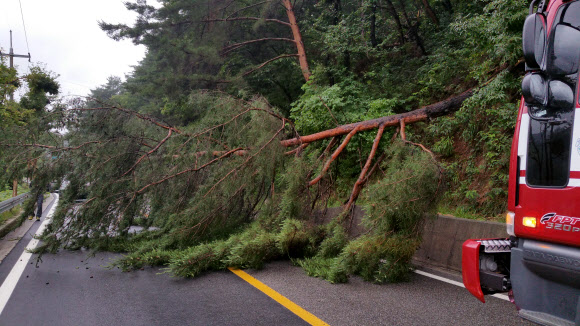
539 265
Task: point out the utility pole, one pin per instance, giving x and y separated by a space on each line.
12 56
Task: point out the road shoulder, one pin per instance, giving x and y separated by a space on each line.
9 241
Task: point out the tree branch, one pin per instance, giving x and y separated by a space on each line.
246 161
248 7
362 177
149 153
425 113
189 170
55 148
247 18
267 62
297 150
130 112
334 156
236 46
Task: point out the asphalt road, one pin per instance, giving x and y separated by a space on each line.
71 288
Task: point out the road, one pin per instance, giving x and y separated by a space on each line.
72 288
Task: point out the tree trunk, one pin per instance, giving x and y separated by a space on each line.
413 29
374 42
404 12
414 32
297 39
393 11
425 113
447 4
430 12
15 188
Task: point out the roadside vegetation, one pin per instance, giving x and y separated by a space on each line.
7 215
7 194
233 136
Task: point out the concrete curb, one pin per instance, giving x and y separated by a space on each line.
10 225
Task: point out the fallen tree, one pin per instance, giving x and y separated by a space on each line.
230 173
426 113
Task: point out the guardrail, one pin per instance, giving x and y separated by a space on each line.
13 202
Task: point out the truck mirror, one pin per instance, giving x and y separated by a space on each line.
564 54
534 89
560 95
534 40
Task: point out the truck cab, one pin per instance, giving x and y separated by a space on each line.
539 265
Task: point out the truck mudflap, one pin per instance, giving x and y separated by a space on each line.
485 266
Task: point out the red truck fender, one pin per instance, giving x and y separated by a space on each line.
470 268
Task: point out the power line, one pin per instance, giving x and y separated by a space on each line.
24 25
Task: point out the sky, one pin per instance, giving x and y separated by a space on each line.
65 36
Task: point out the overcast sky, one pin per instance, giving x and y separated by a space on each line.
64 35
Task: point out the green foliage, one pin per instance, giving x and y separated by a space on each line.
293 201
409 191
376 259
5 216
323 107
396 206
41 84
196 260
482 134
252 250
296 240
7 194
316 266
334 242
168 149
9 82
494 36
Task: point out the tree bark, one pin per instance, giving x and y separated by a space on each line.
447 4
15 188
334 156
430 12
413 29
374 42
297 39
363 174
393 11
425 113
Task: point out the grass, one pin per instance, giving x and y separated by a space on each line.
463 212
7 194
9 214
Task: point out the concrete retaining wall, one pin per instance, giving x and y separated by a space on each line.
444 235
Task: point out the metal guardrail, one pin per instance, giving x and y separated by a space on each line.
13 202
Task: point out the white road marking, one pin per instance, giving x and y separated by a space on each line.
12 279
446 280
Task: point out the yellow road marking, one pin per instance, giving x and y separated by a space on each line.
296 309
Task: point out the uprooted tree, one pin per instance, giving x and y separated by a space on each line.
217 142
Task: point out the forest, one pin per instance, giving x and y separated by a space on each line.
248 120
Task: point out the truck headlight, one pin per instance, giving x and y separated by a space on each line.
509 222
